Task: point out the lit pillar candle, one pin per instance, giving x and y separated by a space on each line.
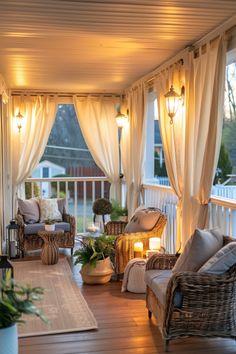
138 249
154 243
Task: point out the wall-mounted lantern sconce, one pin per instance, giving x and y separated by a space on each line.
19 121
172 102
121 119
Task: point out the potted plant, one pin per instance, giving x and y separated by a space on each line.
101 208
118 212
49 225
15 301
95 256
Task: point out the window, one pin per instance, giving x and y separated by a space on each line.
45 172
225 178
67 155
155 170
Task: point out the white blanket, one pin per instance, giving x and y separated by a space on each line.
133 262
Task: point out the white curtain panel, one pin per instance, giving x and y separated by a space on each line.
27 146
1 180
173 134
191 144
205 104
133 145
96 116
3 90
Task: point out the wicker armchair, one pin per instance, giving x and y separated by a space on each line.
124 244
30 242
208 305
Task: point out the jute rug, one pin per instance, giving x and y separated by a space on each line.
62 303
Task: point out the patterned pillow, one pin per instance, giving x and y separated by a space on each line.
61 205
222 261
143 220
49 210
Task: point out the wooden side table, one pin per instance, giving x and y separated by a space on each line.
50 249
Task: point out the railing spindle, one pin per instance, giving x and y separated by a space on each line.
102 189
85 206
32 189
75 205
67 196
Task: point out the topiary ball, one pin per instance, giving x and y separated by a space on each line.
102 206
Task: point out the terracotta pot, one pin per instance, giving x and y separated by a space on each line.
100 274
49 227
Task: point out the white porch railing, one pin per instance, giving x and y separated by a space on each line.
223 215
79 193
222 212
219 190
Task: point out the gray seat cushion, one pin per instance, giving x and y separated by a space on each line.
35 228
158 280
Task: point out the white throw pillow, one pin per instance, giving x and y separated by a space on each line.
222 261
49 209
202 245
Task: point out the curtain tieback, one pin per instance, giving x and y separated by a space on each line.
202 202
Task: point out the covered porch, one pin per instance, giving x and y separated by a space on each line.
108 59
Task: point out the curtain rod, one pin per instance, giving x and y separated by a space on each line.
60 94
180 61
224 27
147 79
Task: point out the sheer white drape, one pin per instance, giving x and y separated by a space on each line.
173 134
191 145
27 146
133 145
96 116
205 102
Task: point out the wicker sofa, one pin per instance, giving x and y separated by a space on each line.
193 304
124 243
28 239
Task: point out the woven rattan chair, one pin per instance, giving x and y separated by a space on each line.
30 242
124 244
208 307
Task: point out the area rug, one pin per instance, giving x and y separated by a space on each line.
63 304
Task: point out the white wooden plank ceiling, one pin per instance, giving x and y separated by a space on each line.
95 45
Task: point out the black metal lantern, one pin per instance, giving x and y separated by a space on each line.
6 268
12 240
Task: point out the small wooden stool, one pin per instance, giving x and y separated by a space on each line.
50 249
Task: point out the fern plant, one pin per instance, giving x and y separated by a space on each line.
17 300
117 210
95 249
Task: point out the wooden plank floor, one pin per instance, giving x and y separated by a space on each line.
123 328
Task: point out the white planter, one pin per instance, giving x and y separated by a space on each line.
50 227
9 340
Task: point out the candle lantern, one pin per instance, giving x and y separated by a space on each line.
138 249
154 243
6 268
12 240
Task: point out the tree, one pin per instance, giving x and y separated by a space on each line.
224 164
229 138
159 170
230 90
